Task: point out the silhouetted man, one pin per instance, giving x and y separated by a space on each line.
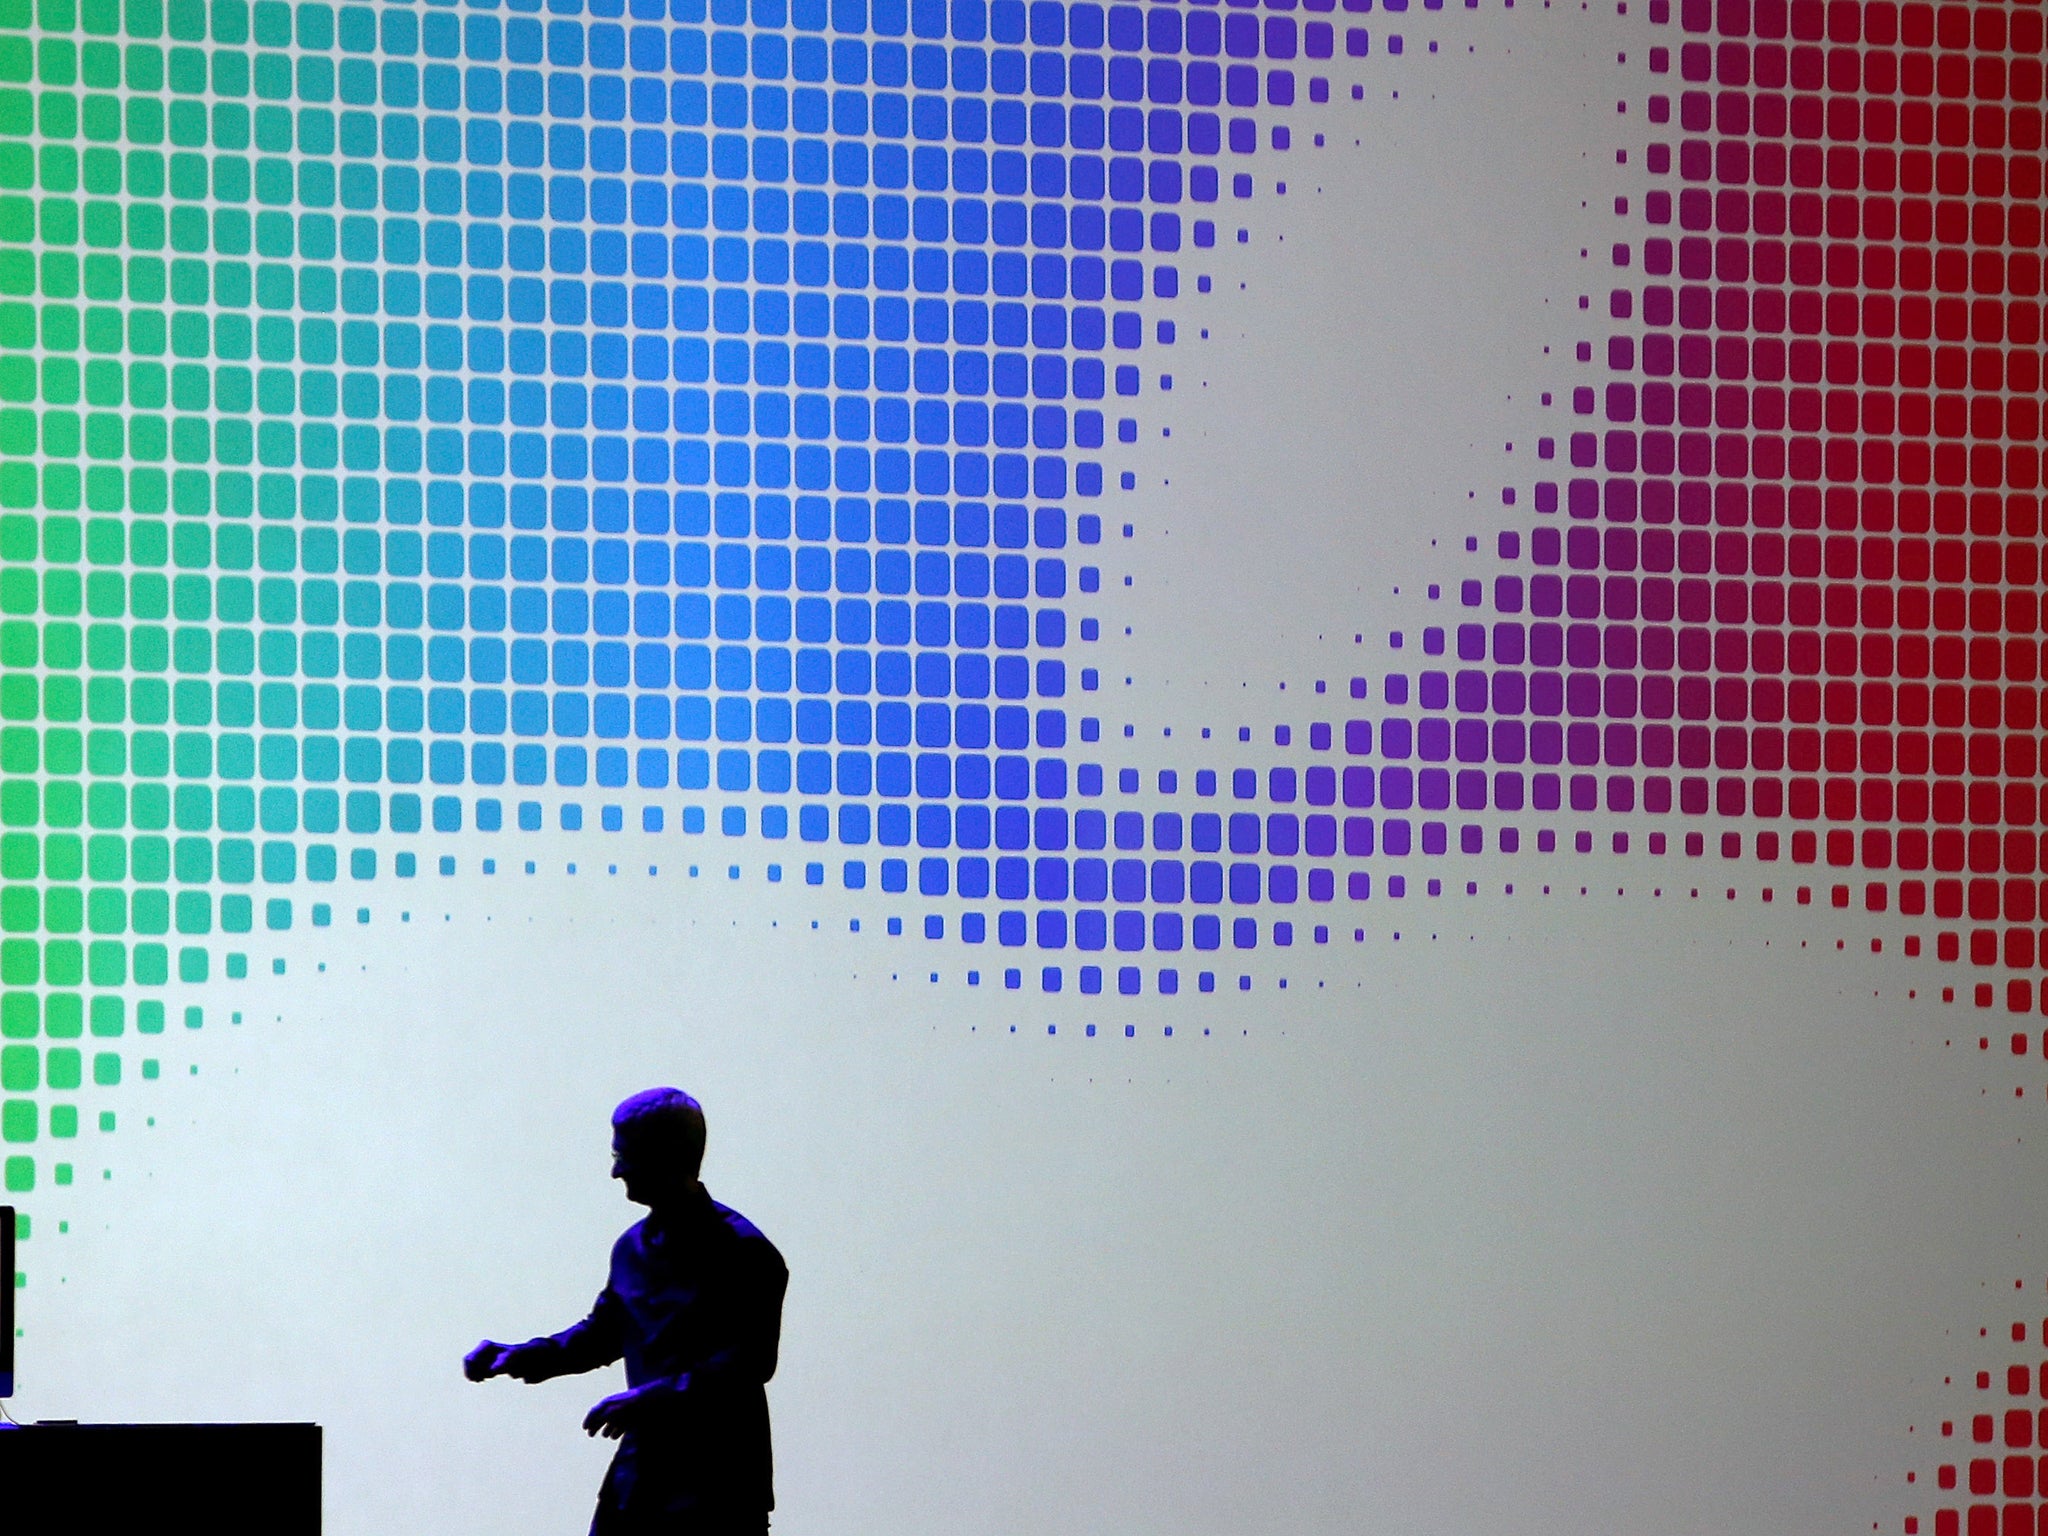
694 1307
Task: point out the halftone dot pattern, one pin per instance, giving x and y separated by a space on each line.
1826 406
418 419
429 418
1811 484
415 408
1789 576
1996 1443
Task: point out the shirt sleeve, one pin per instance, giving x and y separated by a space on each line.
596 1341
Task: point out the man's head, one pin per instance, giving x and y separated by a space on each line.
657 1145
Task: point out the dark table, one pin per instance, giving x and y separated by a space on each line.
221 1479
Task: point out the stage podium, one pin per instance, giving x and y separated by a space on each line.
220 1479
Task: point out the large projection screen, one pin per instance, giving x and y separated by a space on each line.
1317 725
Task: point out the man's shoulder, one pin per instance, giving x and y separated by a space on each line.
738 1229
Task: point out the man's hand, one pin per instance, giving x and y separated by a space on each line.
485 1361
616 1415
490 1359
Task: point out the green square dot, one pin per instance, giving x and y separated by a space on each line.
64 1066
109 1016
146 285
145 70
19 1120
101 168
57 171
57 57
64 1016
20 1016
273 23
143 121
187 75
99 66
104 385
57 115
60 376
103 281
106 541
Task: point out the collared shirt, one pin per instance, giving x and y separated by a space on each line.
694 1308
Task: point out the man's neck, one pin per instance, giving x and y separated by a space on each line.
673 1206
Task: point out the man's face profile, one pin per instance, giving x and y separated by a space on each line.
637 1168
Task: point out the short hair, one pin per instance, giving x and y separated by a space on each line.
666 1122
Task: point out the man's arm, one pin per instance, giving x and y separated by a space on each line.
584 1346
747 1354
